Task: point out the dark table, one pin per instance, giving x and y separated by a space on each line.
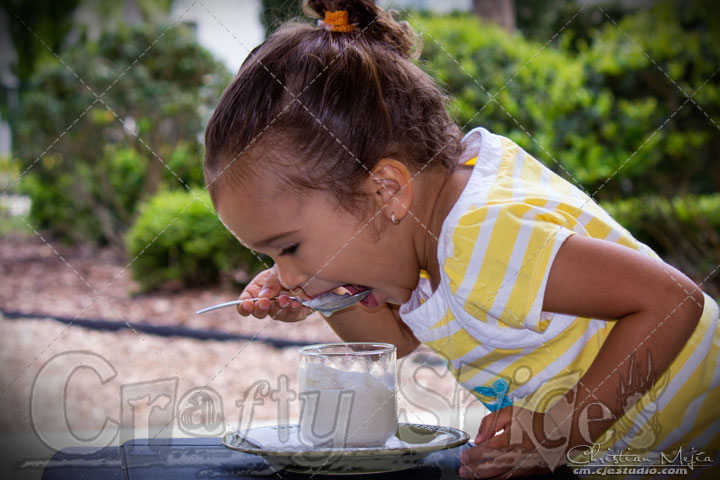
142 459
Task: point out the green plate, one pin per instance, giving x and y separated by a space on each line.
411 443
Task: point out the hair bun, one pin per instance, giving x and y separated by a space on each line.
372 22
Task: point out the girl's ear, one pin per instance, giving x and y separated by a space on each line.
391 185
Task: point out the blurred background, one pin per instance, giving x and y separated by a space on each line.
109 243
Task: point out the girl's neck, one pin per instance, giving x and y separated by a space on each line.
441 195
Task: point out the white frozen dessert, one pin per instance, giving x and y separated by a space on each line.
346 409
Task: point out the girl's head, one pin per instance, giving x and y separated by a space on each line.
321 115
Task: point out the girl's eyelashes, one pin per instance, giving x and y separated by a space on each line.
289 250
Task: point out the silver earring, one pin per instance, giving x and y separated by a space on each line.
394 220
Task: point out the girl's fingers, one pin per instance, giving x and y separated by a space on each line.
478 455
266 286
288 310
278 306
278 311
485 426
271 286
253 289
245 308
486 469
491 424
485 461
262 307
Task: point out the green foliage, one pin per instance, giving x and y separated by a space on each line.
93 156
50 20
659 68
275 12
178 240
684 230
10 223
69 206
600 112
569 23
500 81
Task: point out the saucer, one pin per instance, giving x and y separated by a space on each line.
280 446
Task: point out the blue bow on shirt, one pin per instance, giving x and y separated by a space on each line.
499 391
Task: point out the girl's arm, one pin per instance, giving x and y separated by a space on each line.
656 307
381 324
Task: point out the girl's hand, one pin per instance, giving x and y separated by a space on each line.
267 285
528 443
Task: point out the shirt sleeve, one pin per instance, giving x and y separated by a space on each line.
501 259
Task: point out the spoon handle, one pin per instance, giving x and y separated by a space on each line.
236 302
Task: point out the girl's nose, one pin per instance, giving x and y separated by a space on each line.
291 279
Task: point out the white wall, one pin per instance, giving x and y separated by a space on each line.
7 79
437 6
231 38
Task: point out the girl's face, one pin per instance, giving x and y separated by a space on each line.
318 246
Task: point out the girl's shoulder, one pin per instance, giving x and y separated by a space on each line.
512 198
506 175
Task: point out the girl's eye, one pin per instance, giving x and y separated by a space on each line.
289 250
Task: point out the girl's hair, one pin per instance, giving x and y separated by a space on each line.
323 107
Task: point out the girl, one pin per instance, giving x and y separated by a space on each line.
332 153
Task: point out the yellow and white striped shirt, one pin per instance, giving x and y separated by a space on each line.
495 249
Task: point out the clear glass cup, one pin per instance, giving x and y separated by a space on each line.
348 394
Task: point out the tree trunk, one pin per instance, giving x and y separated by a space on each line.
101 212
153 177
501 12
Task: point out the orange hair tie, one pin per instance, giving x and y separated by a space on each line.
338 21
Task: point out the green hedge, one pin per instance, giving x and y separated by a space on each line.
178 240
685 231
89 162
596 108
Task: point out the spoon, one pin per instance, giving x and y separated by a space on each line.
325 303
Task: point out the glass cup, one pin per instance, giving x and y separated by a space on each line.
348 394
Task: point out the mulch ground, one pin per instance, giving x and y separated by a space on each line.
82 282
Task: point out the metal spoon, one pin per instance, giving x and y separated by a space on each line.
326 303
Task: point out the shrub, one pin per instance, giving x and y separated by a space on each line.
89 162
607 110
658 68
507 84
178 240
685 231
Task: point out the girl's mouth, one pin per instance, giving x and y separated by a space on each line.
370 301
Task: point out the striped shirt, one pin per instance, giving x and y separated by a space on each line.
496 248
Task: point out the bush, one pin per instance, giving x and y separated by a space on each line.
601 111
178 240
574 24
501 82
685 231
89 161
658 68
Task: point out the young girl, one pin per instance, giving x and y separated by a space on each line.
332 153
